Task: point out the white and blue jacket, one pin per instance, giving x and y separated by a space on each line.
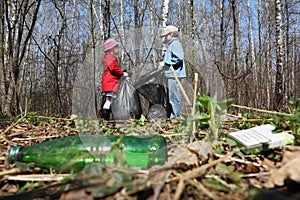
174 56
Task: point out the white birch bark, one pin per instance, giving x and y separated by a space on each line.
152 30
165 11
252 56
268 76
101 21
122 36
279 93
260 66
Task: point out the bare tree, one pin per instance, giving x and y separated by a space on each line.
20 20
2 66
252 56
279 57
106 19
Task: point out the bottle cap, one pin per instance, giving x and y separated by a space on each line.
13 154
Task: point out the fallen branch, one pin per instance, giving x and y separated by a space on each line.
9 172
261 110
180 187
246 120
34 138
255 175
39 177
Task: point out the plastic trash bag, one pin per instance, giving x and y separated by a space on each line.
156 111
127 104
153 86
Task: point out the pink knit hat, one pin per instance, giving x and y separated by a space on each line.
109 44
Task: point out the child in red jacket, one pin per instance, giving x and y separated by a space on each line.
111 75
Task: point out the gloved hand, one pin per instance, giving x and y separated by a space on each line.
128 74
161 64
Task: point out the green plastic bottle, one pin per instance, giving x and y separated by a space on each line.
72 153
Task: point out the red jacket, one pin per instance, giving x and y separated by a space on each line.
112 73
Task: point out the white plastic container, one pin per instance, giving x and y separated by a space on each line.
261 138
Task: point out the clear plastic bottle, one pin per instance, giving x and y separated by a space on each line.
72 153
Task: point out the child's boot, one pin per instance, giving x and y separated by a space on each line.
105 114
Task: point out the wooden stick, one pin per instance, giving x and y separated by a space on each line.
39 177
261 110
34 138
10 171
194 108
180 187
255 175
180 85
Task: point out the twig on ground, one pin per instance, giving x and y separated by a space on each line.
10 171
35 138
261 110
180 187
39 177
255 175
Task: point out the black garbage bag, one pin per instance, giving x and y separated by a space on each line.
153 86
156 111
127 104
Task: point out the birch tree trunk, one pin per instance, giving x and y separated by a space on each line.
192 15
235 35
268 76
279 58
260 54
152 30
252 57
101 27
93 24
288 60
236 66
165 11
222 39
122 29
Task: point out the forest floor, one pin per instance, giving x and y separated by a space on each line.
194 170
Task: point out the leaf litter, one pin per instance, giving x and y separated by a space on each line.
199 170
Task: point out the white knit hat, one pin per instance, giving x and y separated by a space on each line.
168 29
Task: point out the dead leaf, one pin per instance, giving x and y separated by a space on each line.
182 157
202 148
289 169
